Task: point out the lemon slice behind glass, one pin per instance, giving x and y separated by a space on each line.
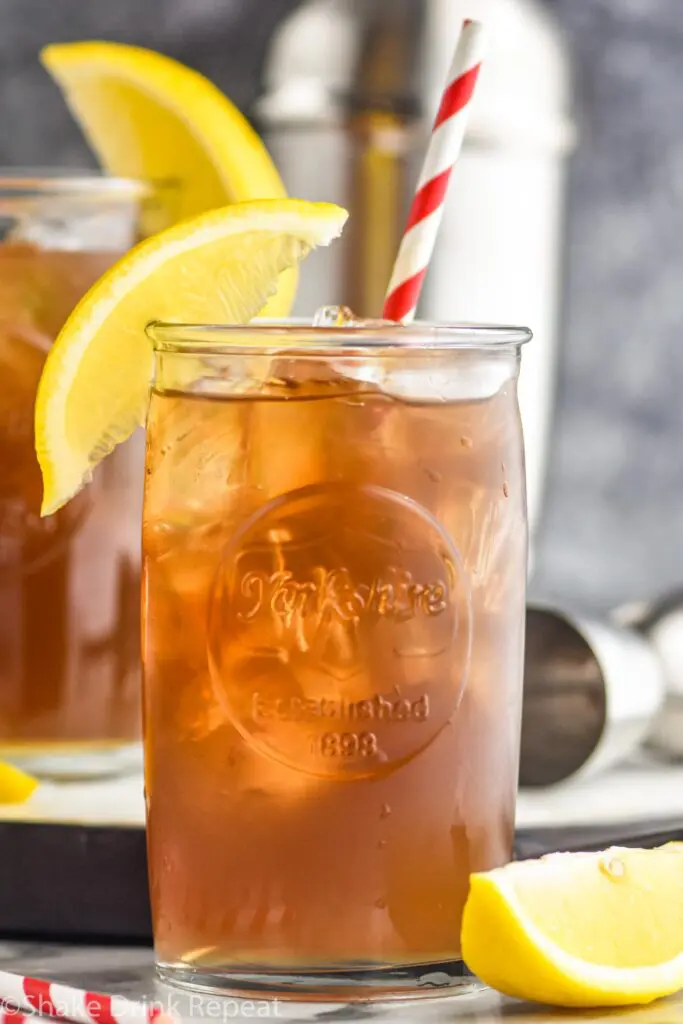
148 116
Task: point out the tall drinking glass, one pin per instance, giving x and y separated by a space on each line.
334 567
69 618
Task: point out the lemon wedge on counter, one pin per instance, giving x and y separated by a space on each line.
220 267
15 785
580 929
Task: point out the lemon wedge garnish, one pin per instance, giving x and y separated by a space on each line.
147 116
15 785
220 267
580 929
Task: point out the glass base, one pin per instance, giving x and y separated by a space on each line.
71 762
418 981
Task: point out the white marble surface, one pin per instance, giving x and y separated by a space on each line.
129 972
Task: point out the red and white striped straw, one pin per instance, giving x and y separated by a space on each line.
444 148
20 994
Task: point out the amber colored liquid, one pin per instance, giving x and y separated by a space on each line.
334 595
69 624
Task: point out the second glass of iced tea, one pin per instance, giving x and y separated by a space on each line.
334 567
69 612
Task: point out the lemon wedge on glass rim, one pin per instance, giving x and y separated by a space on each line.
580 929
148 116
220 267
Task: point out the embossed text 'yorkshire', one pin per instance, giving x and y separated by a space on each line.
334 594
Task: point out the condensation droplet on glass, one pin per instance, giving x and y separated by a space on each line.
333 316
381 904
465 441
613 868
386 811
506 489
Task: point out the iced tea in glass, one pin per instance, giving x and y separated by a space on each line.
69 618
334 567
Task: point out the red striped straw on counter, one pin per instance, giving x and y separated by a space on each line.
22 998
444 148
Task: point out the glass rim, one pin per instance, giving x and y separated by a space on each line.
267 337
21 183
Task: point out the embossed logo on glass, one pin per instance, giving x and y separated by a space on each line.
340 630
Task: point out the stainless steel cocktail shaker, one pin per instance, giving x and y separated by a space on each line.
351 87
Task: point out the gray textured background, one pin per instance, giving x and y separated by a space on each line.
613 527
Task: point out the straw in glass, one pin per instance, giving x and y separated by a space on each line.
444 147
